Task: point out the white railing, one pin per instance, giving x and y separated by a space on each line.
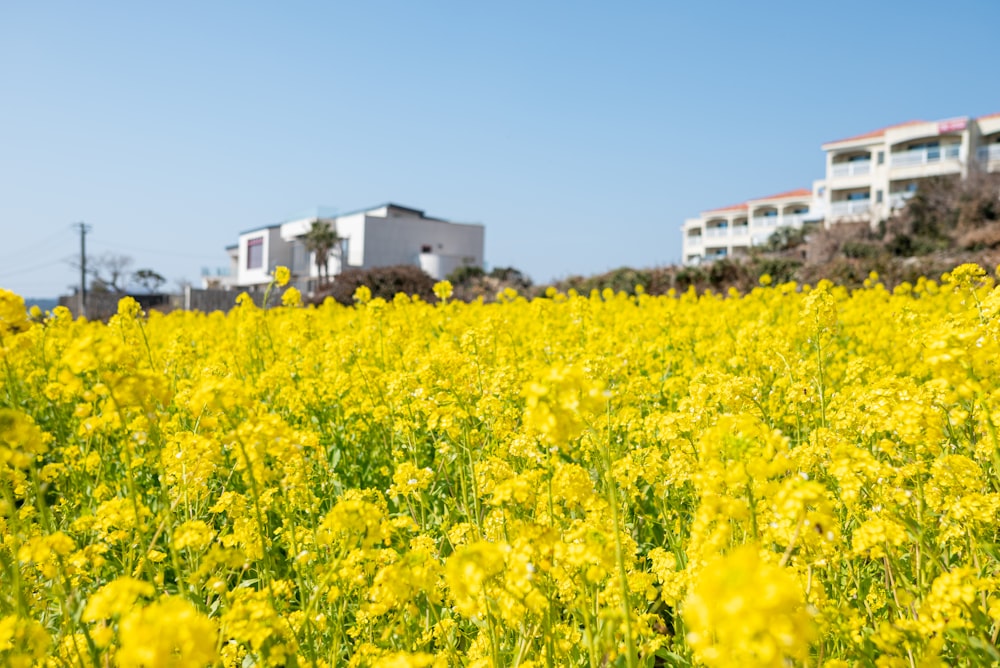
787 220
850 207
922 156
717 231
989 153
740 230
693 240
793 219
853 168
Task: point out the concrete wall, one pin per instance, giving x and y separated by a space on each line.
402 240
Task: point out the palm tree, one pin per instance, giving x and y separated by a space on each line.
321 239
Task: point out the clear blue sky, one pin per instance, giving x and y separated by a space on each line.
581 134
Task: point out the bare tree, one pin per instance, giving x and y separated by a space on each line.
109 271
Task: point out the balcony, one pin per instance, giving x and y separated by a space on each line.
715 232
989 153
926 155
853 168
793 219
788 220
765 221
740 231
851 207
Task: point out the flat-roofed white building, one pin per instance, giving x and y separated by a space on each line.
382 236
730 231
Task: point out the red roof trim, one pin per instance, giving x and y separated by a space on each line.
789 194
801 192
875 133
734 207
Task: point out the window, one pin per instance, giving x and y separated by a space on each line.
255 253
881 157
854 197
878 196
426 248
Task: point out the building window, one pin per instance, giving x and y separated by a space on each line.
854 197
881 157
426 248
255 253
878 196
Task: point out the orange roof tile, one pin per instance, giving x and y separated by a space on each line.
733 207
789 194
801 192
983 118
875 133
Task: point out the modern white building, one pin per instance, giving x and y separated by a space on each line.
868 178
385 235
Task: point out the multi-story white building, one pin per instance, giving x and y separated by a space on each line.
732 230
385 235
868 178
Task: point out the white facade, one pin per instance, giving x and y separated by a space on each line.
383 236
868 178
732 230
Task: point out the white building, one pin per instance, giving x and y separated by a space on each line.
386 235
868 178
732 230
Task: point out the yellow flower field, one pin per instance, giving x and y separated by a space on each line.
796 476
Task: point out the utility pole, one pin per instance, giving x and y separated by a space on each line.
84 228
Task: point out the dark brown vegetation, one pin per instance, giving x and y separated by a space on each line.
949 221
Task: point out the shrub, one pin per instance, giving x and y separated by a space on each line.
384 282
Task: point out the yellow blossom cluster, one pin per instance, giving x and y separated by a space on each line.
797 476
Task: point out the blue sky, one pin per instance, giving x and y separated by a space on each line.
581 134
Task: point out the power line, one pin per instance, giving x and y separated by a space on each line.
32 246
25 270
157 251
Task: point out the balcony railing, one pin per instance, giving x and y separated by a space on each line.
988 153
850 207
923 156
787 220
853 168
740 230
765 221
716 231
